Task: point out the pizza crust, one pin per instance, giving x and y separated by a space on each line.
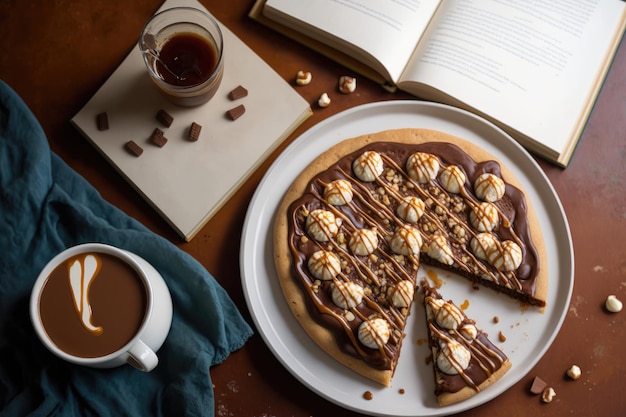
282 256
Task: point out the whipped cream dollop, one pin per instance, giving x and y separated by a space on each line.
368 166
422 167
469 331
410 209
452 179
324 265
440 249
445 314
406 241
347 294
363 241
489 187
374 333
484 217
322 225
449 316
453 357
402 293
484 244
338 192
507 258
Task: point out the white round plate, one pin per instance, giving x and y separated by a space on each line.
528 331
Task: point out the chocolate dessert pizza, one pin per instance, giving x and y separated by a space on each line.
464 359
355 224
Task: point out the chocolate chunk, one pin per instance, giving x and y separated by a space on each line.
158 138
165 118
236 112
133 148
102 120
237 93
537 386
194 132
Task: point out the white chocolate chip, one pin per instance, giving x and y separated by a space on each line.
574 372
484 245
324 265
322 225
453 357
402 293
484 217
440 250
368 166
347 294
612 304
410 209
489 187
422 167
508 257
338 192
449 316
452 178
548 395
347 84
406 241
324 100
363 241
303 78
374 333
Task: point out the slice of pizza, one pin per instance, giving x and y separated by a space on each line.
464 360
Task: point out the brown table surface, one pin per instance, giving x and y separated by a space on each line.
56 54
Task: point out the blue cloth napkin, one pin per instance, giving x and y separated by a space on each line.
46 207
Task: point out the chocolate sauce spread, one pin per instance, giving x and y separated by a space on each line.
374 206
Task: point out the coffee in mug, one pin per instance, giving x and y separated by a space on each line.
92 304
100 306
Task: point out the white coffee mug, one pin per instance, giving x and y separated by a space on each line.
81 266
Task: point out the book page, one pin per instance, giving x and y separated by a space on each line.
387 30
531 65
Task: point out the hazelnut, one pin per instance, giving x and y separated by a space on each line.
574 372
324 100
303 78
612 304
548 395
347 84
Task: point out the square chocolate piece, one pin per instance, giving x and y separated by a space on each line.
102 120
133 148
236 112
194 132
158 138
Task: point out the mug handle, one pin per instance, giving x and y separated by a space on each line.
142 357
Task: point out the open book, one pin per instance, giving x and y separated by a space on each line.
532 68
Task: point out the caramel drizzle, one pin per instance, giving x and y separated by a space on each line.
387 217
509 280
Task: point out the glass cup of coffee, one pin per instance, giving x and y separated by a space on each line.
183 50
100 306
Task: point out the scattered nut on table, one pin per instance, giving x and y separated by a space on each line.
303 77
324 100
574 372
548 395
347 84
612 304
